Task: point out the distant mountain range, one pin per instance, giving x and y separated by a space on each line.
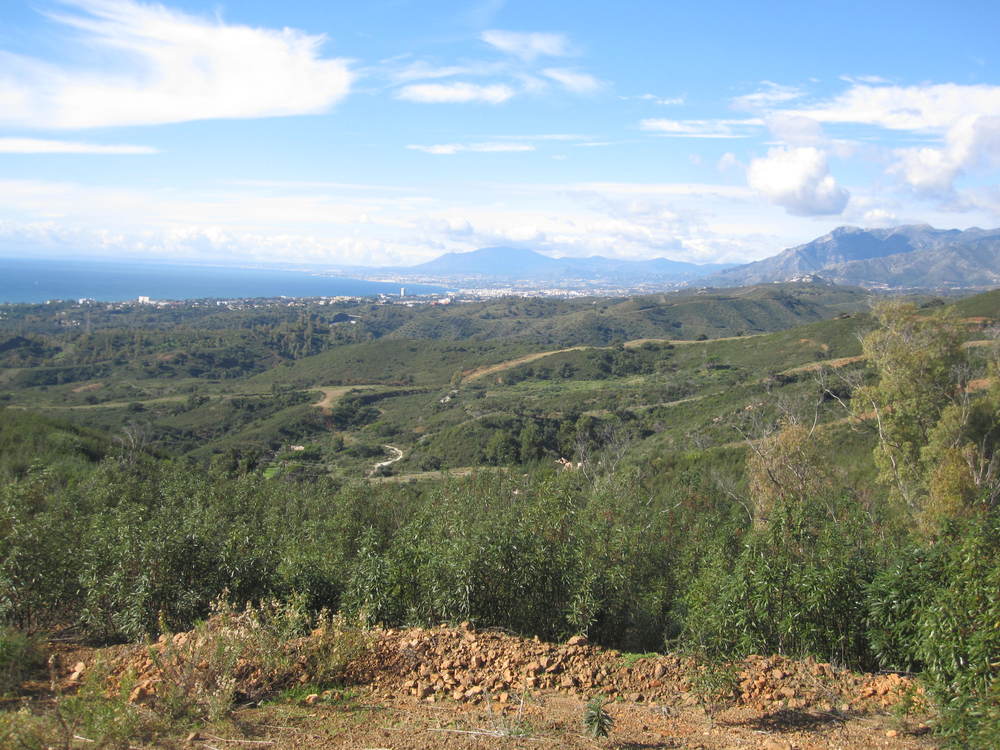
916 257
522 264
905 257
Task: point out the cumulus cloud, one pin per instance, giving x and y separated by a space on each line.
699 128
449 149
527 45
453 93
572 80
971 142
880 217
167 66
961 118
40 146
799 180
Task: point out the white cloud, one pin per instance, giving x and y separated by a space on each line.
166 66
972 142
527 45
699 128
572 80
532 84
770 94
459 92
449 149
39 146
544 137
963 119
728 161
880 217
799 180
877 80
795 130
420 70
664 100
329 222
928 108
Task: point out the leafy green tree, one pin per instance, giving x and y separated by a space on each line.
917 357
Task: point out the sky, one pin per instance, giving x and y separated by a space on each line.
388 132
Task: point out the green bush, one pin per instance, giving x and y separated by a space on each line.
796 587
20 655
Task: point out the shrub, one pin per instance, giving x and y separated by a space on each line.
796 587
936 608
106 719
249 654
19 656
596 721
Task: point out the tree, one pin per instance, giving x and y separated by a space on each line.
936 440
786 466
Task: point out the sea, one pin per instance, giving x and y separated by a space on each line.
39 280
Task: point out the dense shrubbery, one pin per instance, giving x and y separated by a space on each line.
131 548
711 551
796 586
935 608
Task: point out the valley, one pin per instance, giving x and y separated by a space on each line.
690 482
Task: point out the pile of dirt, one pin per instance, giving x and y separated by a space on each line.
464 665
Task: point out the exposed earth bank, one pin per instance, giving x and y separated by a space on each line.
459 687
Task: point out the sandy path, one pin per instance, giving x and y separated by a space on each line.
481 372
397 455
330 396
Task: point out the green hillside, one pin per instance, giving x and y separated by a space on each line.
827 490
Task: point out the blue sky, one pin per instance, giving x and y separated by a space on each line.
390 131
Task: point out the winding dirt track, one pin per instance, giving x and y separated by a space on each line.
481 372
382 464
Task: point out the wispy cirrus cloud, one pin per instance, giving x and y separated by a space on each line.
454 93
518 72
166 66
928 108
700 128
449 149
543 137
768 95
41 146
865 79
573 80
528 45
670 101
421 70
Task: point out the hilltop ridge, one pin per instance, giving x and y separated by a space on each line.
915 257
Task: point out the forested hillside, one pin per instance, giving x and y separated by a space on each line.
827 489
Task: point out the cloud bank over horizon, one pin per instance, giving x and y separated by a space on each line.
380 135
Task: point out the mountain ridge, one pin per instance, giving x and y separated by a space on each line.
520 263
907 256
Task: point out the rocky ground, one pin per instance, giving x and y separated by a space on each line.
459 687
